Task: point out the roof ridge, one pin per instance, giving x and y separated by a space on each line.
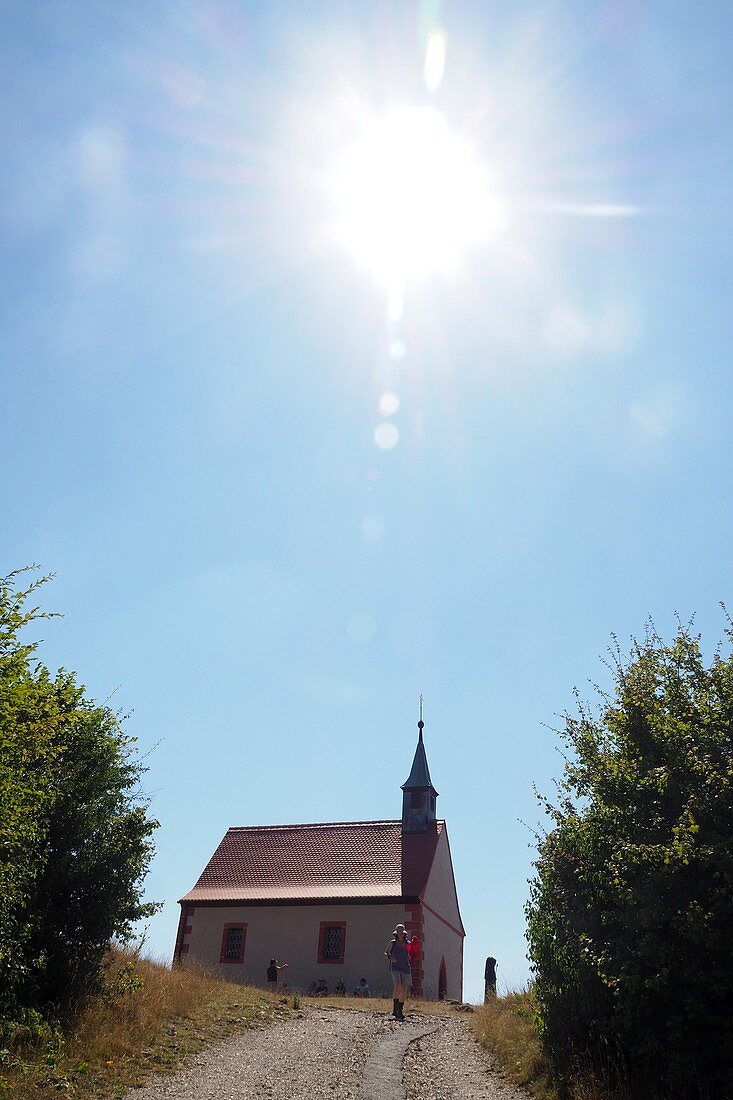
311 825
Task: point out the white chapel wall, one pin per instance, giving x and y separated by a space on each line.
442 938
290 933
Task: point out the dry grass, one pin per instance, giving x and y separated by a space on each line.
147 1019
506 1028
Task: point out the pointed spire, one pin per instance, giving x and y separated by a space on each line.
420 773
419 794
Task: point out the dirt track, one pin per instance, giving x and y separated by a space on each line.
339 1054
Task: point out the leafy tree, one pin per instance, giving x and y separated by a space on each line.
630 917
29 711
75 836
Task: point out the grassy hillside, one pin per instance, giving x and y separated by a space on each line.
146 1019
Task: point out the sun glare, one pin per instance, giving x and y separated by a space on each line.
411 198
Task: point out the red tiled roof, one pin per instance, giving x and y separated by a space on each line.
342 860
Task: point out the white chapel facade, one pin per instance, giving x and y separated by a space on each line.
325 897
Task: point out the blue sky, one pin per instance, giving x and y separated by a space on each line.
193 360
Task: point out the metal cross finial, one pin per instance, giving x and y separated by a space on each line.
420 723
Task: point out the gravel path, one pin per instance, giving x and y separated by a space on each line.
450 1065
341 1055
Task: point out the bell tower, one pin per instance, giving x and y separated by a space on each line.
418 792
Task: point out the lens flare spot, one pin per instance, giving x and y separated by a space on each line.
184 87
648 419
361 628
397 349
435 61
386 435
567 331
389 403
662 413
396 302
101 158
372 527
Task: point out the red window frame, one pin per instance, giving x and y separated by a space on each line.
223 957
326 924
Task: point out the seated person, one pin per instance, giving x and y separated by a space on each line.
363 989
321 988
340 989
311 992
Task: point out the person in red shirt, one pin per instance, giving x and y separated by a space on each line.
413 949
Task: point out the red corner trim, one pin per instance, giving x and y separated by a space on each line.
177 950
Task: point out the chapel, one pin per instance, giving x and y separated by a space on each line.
325 898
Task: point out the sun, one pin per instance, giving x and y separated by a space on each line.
411 198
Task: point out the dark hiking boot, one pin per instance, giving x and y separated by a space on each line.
396 1009
400 1014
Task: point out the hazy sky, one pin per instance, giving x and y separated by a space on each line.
330 377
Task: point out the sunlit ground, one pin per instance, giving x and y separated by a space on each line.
383 1005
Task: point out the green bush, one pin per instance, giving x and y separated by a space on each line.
630 917
75 836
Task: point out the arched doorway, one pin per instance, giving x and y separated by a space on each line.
442 981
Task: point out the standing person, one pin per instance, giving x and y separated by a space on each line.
489 979
399 964
413 949
273 969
